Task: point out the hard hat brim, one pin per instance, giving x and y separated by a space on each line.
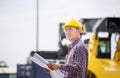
63 27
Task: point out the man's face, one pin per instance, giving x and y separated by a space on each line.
71 33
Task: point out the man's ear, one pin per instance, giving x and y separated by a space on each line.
78 30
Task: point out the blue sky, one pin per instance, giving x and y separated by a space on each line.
18 23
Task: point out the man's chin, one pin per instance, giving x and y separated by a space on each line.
69 39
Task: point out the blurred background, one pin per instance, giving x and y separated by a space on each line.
18 24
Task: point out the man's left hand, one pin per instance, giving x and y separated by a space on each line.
54 66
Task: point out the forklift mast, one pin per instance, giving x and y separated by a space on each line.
108 24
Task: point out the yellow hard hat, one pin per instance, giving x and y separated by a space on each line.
73 23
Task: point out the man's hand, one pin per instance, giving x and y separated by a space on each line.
54 66
46 70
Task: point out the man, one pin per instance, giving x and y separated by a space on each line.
77 59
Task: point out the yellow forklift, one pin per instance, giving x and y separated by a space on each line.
100 64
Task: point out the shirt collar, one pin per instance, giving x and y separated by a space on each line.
74 43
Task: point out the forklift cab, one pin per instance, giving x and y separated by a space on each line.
104 48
